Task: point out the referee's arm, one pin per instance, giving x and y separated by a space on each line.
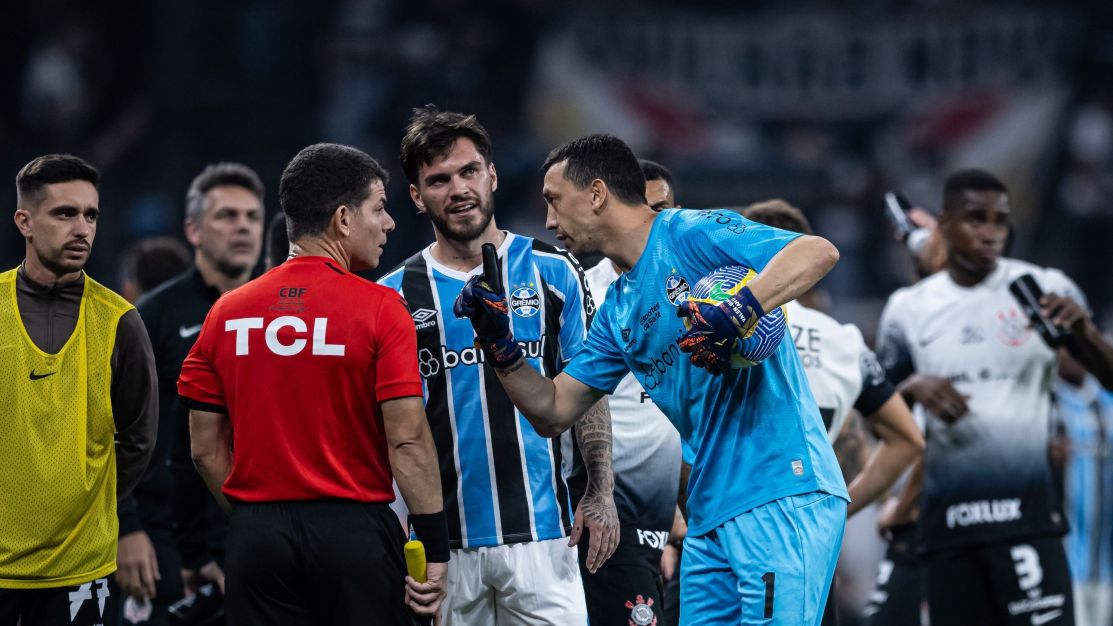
413 457
210 436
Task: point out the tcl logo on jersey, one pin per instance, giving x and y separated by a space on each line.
983 512
291 346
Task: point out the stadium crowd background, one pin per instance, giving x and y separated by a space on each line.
824 104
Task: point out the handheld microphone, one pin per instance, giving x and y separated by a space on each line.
1028 293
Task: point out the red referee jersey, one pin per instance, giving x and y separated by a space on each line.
300 360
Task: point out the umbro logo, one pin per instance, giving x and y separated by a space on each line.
34 376
424 318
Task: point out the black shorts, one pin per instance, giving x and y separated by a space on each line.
1021 582
88 604
315 563
898 599
627 588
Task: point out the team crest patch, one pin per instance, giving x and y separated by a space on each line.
1014 329
525 302
641 613
676 289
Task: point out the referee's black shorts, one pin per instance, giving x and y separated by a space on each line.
627 589
315 563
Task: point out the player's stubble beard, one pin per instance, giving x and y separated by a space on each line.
469 232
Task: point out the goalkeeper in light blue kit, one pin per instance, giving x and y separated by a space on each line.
766 499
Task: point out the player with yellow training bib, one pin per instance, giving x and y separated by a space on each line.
79 401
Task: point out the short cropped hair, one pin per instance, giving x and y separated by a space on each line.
779 214
603 157
155 260
655 171
321 178
277 246
51 169
970 180
217 175
431 133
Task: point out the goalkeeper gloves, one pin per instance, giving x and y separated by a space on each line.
489 313
716 329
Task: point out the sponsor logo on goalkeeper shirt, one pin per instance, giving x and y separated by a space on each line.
653 373
983 512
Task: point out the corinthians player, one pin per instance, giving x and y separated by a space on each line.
981 377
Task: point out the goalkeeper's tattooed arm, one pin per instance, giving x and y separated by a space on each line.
793 271
552 406
596 510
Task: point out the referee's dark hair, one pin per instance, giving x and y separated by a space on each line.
320 179
969 180
277 244
51 169
655 171
218 175
431 133
778 214
605 158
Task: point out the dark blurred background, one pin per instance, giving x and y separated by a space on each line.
824 104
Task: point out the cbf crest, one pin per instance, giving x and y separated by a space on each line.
676 288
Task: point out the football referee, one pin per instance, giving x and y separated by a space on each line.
309 373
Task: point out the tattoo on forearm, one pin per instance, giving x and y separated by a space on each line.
593 432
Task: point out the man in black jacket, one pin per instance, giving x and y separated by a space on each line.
172 523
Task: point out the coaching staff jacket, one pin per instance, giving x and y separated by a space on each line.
171 492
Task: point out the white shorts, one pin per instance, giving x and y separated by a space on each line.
530 584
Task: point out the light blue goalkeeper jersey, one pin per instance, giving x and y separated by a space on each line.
756 433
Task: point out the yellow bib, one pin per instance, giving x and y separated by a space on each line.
58 523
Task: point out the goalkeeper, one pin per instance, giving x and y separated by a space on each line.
766 500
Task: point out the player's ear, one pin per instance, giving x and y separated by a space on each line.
22 219
416 197
342 220
599 195
494 176
192 232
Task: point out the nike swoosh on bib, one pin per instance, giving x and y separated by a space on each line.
189 331
1038 619
34 376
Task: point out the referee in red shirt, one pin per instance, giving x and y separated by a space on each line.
305 402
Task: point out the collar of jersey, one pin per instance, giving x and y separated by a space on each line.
634 275
427 254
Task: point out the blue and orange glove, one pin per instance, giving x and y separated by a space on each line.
716 329
489 313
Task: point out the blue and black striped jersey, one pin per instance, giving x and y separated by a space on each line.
502 482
